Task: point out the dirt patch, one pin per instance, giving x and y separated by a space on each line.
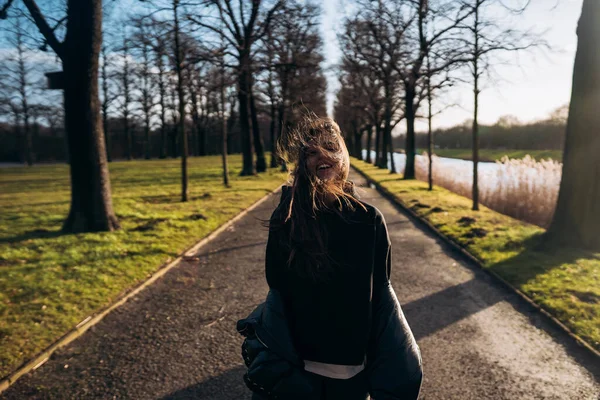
476 232
466 221
148 225
198 216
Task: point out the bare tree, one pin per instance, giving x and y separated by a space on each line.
242 25
108 97
157 35
142 44
483 41
291 50
376 40
179 67
175 8
576 220
91 203
443 17
17 87
436 80
125 76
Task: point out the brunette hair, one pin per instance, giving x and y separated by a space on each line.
306 194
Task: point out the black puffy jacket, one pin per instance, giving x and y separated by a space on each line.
275 370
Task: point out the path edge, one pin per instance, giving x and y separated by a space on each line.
94 318
475 261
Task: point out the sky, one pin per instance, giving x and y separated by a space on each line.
539 84
530 89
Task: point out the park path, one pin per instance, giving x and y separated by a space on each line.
177 338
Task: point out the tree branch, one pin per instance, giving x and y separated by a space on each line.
4 9
44 28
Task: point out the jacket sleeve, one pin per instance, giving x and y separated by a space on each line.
273 261
394 359
382 264
275 256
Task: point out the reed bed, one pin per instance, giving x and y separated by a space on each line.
525 189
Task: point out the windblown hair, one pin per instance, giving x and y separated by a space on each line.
307 241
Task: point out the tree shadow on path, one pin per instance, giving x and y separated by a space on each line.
227 386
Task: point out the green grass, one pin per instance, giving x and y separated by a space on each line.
49 282
491 155
566 282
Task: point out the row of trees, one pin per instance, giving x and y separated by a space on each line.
174 72
401 55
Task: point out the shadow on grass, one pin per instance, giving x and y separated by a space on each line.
536 258
34 234
229 385
391 179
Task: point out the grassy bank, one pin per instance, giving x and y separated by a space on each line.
49 281
491 155
565 282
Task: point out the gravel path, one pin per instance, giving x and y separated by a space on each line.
177 339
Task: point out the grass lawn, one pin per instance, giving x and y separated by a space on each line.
565 282
49 282
491 155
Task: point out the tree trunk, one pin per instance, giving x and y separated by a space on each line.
146 99
576 220
223 127
91 203
27 140
369 139
282 126
387 129
195 118
429 131
162 101
358 144
126 99
348 138
181 97
147 136
283 108
272 135
475 189
409 168
174 128
247 148
259 148
378 145
391 151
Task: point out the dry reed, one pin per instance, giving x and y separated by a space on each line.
525 189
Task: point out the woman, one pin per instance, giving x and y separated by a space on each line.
329 256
